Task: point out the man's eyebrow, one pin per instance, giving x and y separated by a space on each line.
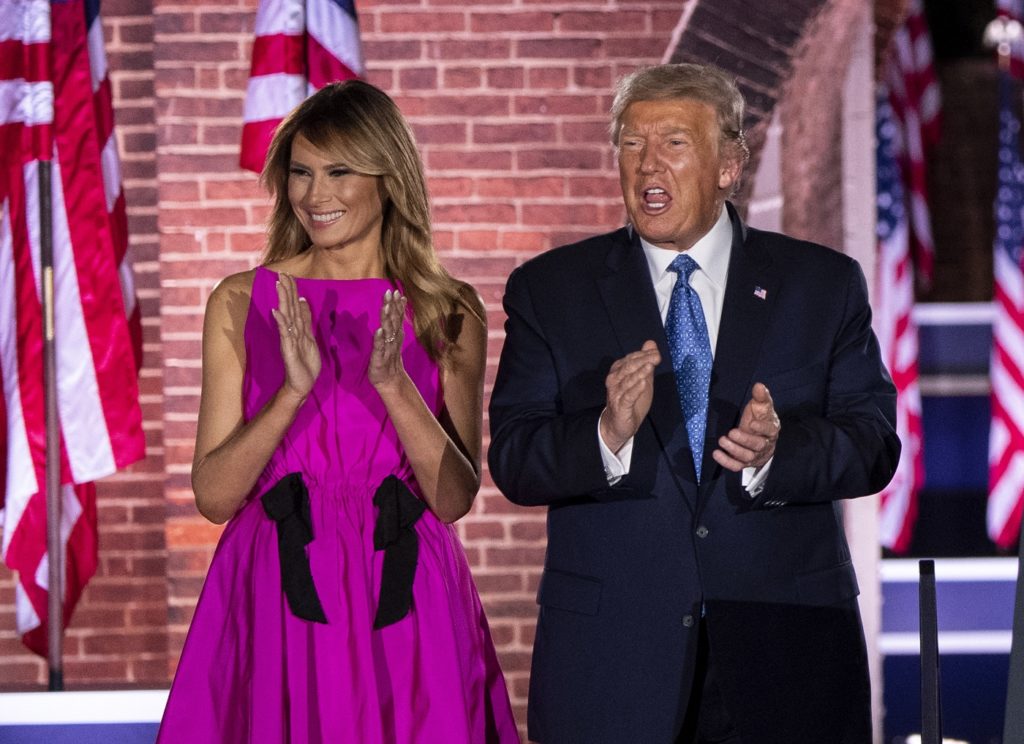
663 132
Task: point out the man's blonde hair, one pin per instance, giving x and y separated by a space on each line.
686 80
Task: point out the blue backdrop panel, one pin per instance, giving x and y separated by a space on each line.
973 696
80 733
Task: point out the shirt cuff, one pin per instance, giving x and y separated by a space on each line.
616 464
753 478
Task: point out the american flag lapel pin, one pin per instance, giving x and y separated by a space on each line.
761 293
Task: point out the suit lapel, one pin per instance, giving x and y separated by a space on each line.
632 308
750 293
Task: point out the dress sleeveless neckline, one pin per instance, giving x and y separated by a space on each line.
317 279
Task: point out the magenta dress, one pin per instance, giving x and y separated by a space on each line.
251 670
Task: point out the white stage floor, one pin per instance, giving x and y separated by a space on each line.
88 717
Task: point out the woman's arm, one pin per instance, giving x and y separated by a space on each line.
445 451
230 454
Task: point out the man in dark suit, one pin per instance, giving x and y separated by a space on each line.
691 399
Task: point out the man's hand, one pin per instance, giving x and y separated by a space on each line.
752 443
630 385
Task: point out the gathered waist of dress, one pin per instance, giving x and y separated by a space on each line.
336 485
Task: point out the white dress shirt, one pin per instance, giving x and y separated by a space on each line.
711 253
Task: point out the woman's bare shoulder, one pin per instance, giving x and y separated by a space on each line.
472 301
235 283
229 300
467 326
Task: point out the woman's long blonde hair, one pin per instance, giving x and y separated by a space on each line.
365 128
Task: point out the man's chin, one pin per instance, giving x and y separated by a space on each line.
658 238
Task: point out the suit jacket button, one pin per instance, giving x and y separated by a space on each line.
687 621
702 531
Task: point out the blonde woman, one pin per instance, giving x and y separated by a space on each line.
339 436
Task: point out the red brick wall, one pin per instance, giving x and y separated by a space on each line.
509 106
811 109
508 102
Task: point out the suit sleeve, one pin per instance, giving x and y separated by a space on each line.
539 453
853 449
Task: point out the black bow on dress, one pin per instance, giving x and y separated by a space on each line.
287 503
394 534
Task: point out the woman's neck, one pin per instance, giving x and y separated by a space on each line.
336 263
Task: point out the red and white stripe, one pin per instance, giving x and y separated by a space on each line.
1006 432
906 250
103 104
300 46
97 391
1006 440
898 338
916 102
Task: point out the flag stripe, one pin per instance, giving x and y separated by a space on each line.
897 335
106 404
97 56
24 368
1006 442
271 97
27 21
256 137
23 102
20 475
298 48
65 117
104 118
4 420
324 68
19 60
334 35
915 99
278 53
81 403
26 90
281 17
103 105
907 121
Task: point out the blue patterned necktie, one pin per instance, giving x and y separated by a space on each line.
690 348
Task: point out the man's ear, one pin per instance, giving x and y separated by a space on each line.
729 172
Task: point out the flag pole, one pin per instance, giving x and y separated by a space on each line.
54 545
1000 33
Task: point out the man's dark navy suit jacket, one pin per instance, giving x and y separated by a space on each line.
630 568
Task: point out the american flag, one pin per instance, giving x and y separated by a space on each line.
916 105
300 46
897 333
1006 438
54 105
103 105
907 121
1014 10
